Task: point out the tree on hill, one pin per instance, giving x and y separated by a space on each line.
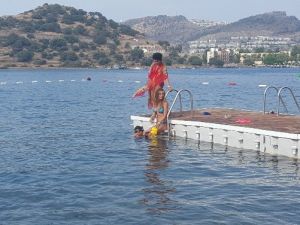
276 59
100 25
147 61
51 27
36 47
259 50
24 56
67 31
48 9
98 55
248 61
40 62
168 61
113 24
8 22
295 53
45 43
17 43
80 30
51 18
100 39
137 54
164 44
47 55
195 61
71 39
28 28
74 15
127 30
181 60
216 62
104 61
71 19
58 44
68 56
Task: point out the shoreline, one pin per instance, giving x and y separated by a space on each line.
145 68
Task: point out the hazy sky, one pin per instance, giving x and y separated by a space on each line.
120 10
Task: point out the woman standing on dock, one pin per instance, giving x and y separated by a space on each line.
157 78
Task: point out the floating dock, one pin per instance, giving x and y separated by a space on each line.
269 133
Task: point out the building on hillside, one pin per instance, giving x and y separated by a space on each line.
207 23
243 42
150 49
211 54
224 55
266 42
219 53
200 46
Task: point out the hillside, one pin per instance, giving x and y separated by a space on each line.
267 24
179 29
55 35
175 29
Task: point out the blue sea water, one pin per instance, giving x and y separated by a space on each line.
68 156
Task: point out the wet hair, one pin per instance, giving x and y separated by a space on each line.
157 94
157 56
138 129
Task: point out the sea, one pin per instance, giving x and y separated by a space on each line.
68 155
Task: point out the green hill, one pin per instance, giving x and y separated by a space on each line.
58 36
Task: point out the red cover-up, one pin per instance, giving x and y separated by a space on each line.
157 75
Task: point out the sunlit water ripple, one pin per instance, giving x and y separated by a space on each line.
68 157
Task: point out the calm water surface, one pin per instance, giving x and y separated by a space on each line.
68 157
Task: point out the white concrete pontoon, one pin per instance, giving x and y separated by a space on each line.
276 134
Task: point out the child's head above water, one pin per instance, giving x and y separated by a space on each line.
138 131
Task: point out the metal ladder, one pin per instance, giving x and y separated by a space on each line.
279 98
173 103
180 100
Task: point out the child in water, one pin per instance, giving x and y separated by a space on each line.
139 132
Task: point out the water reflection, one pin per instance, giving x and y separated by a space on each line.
295 163
281 165
157 196
241 157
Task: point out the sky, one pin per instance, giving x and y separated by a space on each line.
121 10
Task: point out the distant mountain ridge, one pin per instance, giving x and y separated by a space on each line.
179 29
165 28
275 22
267 24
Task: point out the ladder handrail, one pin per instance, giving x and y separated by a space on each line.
279 97
174 101
180 100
